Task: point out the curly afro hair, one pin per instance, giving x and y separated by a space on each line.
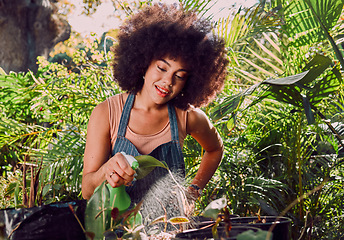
162 30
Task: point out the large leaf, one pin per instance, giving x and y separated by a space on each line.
285 94
97 214
315 68
286 80
278 91
231 104
147 164
303 90
324 87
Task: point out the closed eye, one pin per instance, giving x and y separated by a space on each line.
161 69
180 77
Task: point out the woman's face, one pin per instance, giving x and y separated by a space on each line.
164 79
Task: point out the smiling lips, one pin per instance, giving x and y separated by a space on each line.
163 92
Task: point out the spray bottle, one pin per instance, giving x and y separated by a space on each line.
98 217
119 198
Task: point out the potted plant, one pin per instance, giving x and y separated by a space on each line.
221 227
279 226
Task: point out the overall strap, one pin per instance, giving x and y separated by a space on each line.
173 123
122 128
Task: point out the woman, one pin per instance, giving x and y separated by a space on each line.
168 62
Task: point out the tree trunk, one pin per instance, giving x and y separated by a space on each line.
28 28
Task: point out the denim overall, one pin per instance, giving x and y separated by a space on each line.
169 152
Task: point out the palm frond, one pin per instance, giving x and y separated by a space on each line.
202 7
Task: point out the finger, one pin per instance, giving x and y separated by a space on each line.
125 165
120 172
112 166
124 169
108 177
115 180
118 164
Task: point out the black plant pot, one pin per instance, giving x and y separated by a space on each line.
206 233
53 221
281 225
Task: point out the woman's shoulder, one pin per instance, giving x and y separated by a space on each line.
196 118
195 112
116 101
119 97
100 111
111 102
192 113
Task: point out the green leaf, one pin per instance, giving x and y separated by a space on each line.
329 84
179 220
308 110
147 164
231 104
202 7
214 208
286 94
315 68
16 194
304 26
11 188
231 122
160 219
46 189
98 212
251 235
290 80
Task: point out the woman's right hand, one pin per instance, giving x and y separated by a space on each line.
118 171
97 165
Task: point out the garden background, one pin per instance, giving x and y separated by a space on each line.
280 115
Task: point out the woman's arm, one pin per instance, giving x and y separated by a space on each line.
200 128
97 165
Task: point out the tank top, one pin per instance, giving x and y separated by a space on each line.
169 152
144 143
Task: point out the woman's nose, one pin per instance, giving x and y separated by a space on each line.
168 79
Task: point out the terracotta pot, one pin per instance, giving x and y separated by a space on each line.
281 225
206 233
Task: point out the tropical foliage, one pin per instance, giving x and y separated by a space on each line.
280 115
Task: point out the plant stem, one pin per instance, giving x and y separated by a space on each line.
298 147
72 210
328 123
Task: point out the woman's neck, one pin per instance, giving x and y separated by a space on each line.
146 104
147 117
